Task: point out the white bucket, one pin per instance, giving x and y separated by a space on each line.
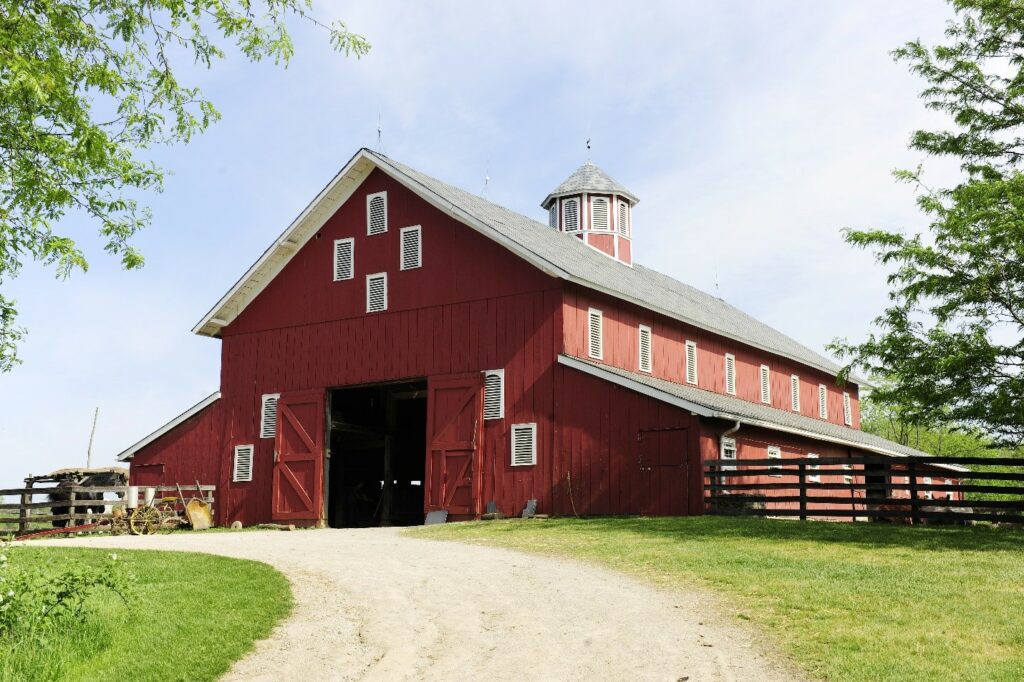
133 497
150 496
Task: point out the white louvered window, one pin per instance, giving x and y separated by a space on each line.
553 215
524 444
822 402
691 362
377 292
775 452
595 324
494 394
412 247
377 213
268 415
794 393
813 470
344 259
644 351
599 213
727 450
623 218
241 470
766 386
730 374
571 215
847 410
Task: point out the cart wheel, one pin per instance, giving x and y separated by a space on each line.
144 521
169 519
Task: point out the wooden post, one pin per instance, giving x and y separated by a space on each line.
71 508
25 511
388 493
915 514
802 473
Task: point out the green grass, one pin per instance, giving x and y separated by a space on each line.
194 614
845 601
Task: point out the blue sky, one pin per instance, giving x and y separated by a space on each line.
752 133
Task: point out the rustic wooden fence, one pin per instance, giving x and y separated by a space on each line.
910 490
34 510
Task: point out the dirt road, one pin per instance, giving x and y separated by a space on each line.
374 605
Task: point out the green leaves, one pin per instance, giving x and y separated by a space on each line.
85 87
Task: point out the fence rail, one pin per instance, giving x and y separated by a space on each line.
79 505
912 490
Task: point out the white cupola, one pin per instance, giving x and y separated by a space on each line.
592 207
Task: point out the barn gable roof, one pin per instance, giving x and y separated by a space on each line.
129 452
546 249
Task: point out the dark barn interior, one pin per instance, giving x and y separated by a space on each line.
375 473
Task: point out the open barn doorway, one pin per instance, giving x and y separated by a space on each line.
375 474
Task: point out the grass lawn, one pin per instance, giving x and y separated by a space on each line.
192 616
845 601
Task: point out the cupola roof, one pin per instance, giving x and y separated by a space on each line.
591 179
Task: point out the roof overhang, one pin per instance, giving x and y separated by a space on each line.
181 418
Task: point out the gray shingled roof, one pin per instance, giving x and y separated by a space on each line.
588 267
589 178
728 407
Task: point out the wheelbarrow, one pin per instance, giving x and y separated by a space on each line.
197 510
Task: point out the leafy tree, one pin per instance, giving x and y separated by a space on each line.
951 341
86 86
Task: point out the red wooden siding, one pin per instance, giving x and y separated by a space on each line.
182 455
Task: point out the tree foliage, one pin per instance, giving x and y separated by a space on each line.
86 86
951 342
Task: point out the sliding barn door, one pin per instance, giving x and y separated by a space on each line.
454 440
299 457
664 471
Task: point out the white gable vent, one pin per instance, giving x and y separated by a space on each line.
847 410
645 349
794 388
766 388
571 215
524 444
377 213
822 402
623 218
241 471
412 247
691 362
494 394
268 415
377 292
344 259
599 214
730 374
595 322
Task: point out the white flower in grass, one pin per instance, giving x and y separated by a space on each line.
113 557
3 558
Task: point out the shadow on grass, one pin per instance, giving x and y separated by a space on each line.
866 535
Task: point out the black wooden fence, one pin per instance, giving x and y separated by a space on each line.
909 490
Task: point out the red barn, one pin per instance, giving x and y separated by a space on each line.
406 346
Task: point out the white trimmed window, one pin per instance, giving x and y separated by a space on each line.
794 388
623 218
524 444
595 324
412 247
377 213
928 494
571 215
847 410
848 478
268 415
377 292
822 402
775 452
813 470
553 215
494 394
730 374
599 213
691 362
766 386
644 350
241 469
727 450
949 493
344 259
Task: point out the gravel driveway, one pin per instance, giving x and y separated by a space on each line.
372 604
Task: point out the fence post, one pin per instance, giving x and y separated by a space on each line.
71 510
25 511
915 514
802 473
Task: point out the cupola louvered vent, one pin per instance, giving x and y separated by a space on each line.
623 218
377 292
377 213
344 259
822 402
494 394
599 214
553 215
412 247
691 362
595 322
571 215
794 388
268 415
645 349
242 465
524 444
766 387
730 374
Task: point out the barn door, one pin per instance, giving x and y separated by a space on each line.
454 421
664 472
299 457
